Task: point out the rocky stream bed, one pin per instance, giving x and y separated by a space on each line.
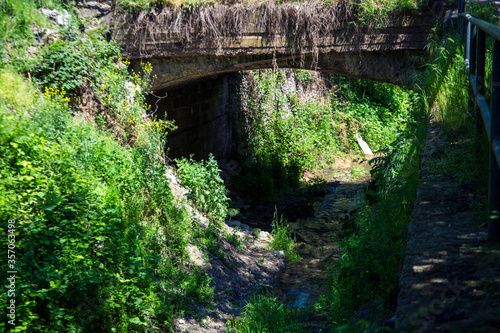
316 219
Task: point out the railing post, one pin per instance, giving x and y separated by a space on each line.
480 83
468 36
472 50
461 20
471 54
494 177
480 59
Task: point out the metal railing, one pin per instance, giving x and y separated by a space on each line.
475 31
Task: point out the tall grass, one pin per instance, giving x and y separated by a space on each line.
369 12
282 239
448 89
263 313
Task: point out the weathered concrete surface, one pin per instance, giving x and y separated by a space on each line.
450 279
184 47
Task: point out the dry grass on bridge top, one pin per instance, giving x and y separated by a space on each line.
367 5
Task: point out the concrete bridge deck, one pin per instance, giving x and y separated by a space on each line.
220 39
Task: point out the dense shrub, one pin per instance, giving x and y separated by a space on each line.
100 239
206 187
97 229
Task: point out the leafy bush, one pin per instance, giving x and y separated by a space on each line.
206 187
16 18
377 111
68 63
100 240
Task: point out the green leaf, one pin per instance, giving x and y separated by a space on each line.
55 284
137 321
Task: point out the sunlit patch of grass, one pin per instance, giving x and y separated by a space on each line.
358 172
263 314
282 240
449 86
15 90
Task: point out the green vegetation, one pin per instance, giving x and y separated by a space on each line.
368 272
376 111
487 11
370 12
206 187
376 12
16 18
264 314
447 88
92 222
284 135
451 109
295 134
276 149
100 240
65 62
282 240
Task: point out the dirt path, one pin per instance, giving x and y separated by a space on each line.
450 280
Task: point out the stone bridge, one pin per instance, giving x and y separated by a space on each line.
211 41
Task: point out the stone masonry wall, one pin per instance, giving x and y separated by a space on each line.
204 113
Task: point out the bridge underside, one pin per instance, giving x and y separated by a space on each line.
390 66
